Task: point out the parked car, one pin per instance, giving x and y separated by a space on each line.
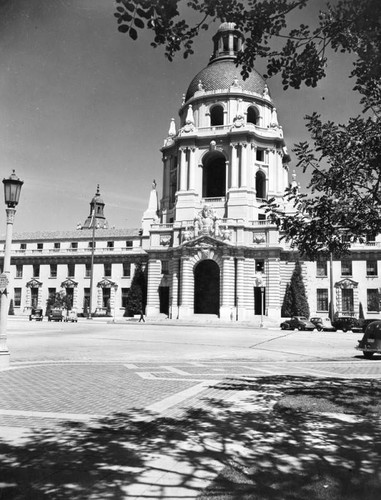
55 315
365 322
71 316
323 324
371 341
347 323
36 314
299 323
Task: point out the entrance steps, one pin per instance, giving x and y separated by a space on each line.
213 319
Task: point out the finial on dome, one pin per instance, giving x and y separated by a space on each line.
183 100
172 128
190 119
97 193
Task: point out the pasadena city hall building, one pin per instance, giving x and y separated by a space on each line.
206 245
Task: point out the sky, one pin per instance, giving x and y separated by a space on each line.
82 104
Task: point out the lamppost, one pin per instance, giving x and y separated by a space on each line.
92 266
259 283
12 189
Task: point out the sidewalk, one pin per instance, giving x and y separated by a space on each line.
130 438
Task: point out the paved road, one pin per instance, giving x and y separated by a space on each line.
85 370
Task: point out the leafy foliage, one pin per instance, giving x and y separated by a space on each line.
137 295
297 299
344 159
59 300
11 310
286 311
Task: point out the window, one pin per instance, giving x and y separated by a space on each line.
165 266
87 270
260 155
127 269
322 299
40 246
57 246
129 243
252 115
373 300
91 244
71 270
346 268
22 246
124 297
51 293
321 268
19 270
347 298
36 270
261 216
86 300
371 268
74 245
110 244
259 266
17 297
216 116
260 184
107 269
53 270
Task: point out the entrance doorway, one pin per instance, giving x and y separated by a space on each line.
164 299
259 308
207 288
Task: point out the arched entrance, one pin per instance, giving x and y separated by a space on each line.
207 288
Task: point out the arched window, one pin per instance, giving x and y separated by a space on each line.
252 115
216 116
260 184
214 175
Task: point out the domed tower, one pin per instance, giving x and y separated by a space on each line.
229 151
96 215
213 251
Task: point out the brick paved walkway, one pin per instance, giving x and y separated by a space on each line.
85 413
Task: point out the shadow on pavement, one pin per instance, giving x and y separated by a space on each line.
253 447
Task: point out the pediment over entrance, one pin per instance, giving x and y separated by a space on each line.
34 283
204 242
106 283
346 283
69 283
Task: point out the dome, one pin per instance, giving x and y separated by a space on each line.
219 75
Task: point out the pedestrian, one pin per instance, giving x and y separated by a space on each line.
142 316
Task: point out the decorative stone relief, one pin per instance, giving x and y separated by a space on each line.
259 238
206 222
165 240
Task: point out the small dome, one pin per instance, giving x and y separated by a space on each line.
219 75
226 27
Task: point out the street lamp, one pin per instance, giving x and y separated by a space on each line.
12 190
260 284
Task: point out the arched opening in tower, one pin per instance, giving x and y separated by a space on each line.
214 176
207 287
252 115
216 116
260 184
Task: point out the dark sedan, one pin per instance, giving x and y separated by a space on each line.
298 323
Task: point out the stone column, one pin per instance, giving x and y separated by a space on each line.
173 306
183 170
243 171
192 168
39 297
227 299
186 289
273 302
240 288
153 281
234 166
